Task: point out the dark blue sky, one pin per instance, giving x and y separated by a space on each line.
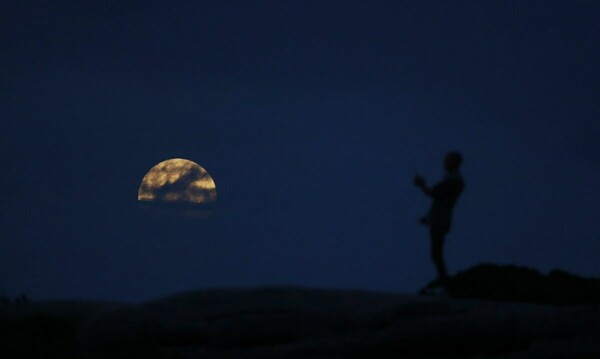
312 117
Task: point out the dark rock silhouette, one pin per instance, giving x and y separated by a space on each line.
522 284
293 322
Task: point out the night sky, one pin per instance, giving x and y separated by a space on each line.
312 117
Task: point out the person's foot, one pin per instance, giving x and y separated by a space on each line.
437 286
439 291
438 282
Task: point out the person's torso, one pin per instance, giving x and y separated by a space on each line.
445 195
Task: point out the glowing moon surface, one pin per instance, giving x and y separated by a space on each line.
178 180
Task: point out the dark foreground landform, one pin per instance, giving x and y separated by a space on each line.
522 284
293 322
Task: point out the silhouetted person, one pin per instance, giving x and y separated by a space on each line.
439 217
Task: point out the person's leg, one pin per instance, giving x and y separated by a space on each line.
437 251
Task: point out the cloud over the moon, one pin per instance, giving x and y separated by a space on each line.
178 180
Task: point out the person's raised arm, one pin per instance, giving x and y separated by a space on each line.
419 181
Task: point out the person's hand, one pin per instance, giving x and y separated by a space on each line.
419 181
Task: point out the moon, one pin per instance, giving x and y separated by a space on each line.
178 180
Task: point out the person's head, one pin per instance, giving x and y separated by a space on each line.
452 160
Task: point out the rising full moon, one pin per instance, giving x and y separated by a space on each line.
178 180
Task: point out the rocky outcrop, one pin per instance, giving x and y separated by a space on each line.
300 322
493 312
522 284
